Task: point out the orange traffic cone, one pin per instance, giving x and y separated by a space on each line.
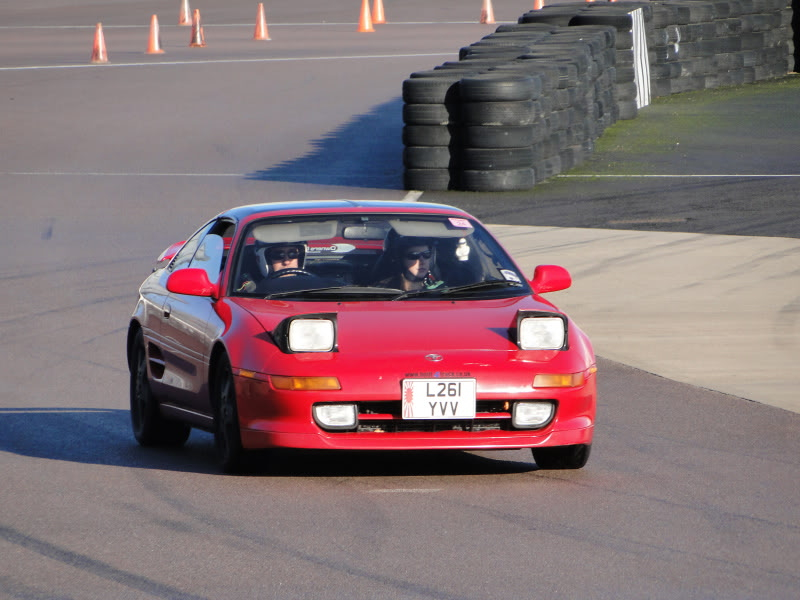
184 17
377 8
262 33
154 43
538 4
365 22
487 13
99 49
198 39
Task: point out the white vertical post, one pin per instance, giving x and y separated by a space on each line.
641 60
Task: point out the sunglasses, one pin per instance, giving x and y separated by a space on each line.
415 256
278 255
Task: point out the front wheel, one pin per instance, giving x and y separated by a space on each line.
149 427
562 457
227 436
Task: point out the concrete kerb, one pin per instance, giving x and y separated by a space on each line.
716 311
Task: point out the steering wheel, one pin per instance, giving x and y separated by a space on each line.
284 272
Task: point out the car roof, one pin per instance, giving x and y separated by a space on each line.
337 206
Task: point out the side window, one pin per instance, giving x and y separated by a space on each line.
225 230
209 256
186 253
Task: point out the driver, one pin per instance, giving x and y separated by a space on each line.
276 260
284 256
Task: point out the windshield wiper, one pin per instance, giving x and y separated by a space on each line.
482 285
439 291
343 290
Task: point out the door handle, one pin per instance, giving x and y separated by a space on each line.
167 311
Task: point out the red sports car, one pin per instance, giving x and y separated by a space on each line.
364 325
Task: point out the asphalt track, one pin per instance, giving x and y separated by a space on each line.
681 234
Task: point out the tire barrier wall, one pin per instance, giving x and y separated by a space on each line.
528 101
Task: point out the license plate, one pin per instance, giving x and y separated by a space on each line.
439 398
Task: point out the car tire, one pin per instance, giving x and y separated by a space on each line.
562 457
431 135
428 157
227 436
431 89
501 113
503 136
429 180
430 114
497 159
149 427
500 87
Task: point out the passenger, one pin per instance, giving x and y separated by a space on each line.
412 260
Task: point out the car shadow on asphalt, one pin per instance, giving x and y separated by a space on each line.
366 151
103 437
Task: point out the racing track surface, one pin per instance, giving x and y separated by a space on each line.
691 492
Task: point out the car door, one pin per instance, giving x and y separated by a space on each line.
190 325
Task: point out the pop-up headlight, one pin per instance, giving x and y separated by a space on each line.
541 331
308 333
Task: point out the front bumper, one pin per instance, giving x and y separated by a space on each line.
270 418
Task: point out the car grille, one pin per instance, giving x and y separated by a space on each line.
385 417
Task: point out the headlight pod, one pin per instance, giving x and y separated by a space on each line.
307 333
541 331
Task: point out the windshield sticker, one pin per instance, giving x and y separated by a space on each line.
510 275
458 222
331 249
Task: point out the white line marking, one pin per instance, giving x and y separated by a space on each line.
756 175
98 174
412 196
406 491
249 25
645 221
222 61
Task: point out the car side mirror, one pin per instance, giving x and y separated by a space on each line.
191 282
550 278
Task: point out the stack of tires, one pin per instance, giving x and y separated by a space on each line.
583 104
528 101
693 44
521 105
702 45
431 135
617 16
500 111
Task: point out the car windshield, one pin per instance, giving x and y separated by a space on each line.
373 257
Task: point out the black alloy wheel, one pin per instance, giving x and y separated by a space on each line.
227 436
149 427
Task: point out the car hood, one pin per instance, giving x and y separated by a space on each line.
409 325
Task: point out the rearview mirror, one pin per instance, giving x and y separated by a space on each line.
550 278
